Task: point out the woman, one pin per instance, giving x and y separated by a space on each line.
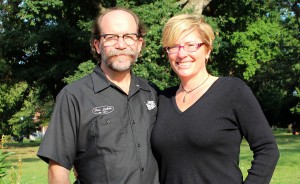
201 122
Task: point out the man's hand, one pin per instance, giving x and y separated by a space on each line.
57 174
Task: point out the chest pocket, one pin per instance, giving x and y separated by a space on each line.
108 133
150 119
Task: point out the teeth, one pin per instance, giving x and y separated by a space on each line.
184 64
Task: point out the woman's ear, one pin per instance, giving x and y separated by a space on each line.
207 54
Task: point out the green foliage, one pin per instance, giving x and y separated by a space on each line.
41 43
44 42
260 43
11 96
160 75
4 69
83 69
296 108
35 12
22 122
3 156
153 65
4 165
47 37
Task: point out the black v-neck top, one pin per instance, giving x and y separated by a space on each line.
201 145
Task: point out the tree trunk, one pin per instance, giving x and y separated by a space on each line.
197 5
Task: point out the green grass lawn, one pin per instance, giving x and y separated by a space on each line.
34 171
288 168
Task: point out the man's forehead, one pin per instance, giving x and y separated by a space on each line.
117 17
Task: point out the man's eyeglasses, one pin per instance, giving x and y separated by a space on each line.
188 47
112 39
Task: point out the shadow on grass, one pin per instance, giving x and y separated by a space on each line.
35 159
22 144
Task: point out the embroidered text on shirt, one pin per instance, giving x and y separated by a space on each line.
103 109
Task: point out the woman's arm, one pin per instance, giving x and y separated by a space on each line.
257 131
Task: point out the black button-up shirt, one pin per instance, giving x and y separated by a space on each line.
104 132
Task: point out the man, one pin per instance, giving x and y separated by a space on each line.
102 123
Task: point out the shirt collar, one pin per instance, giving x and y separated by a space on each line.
100 82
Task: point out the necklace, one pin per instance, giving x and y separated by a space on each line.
187 92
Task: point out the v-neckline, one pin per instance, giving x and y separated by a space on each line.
196 102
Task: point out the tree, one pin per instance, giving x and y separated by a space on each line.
153 64
11 98
260 44
296 108
41 43
196 5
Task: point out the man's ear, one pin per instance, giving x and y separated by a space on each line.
97 46
140 44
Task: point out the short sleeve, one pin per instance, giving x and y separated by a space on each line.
59 142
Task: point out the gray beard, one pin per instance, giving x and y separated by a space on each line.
115 65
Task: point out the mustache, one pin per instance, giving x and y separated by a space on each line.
121 52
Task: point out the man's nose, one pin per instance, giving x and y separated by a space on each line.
121 43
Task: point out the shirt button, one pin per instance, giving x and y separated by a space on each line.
139 145
133 122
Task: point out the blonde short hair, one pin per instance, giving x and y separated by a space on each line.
184 23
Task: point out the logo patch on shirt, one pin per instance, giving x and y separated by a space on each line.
150 104
103 109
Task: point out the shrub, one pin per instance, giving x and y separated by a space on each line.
3 156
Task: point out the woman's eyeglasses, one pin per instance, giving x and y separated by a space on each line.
188 47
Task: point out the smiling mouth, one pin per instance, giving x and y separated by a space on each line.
188 63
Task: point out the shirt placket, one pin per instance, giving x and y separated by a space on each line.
134 127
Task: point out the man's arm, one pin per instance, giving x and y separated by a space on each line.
57 174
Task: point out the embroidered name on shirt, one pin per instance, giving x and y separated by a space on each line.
150 105
103 109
